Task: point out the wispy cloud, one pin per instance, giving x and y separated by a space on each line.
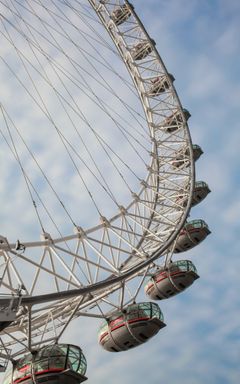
199 43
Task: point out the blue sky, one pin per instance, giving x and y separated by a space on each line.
198 42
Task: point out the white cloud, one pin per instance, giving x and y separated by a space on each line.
201 341
227 42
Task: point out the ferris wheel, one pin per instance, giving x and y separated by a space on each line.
90 116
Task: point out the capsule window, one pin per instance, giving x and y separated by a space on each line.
196 239
144 337
126 342
181 285
45 379
141 324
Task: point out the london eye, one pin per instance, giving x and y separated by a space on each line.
99 148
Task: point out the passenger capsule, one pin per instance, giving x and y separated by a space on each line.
182 158
160 84
171 124
141 50
54 364
193 233
130 328
171 280
121 14
201 190
197 152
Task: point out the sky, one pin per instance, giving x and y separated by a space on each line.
198 42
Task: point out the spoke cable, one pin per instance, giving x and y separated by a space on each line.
115 153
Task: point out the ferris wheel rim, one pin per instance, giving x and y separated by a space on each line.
48 240
133 269
5 245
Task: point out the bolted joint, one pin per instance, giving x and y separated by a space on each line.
143 183
46 237
122 209
4 244
135 196
79 231
104 221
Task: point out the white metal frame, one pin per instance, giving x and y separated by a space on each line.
123 247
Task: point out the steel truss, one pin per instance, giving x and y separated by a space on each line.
88 268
